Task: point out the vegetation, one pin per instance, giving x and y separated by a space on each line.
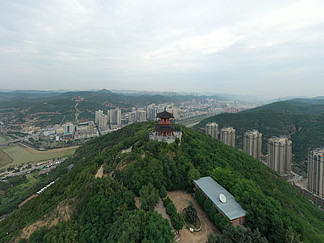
175 217
103 209
18 188
238 234
191 213
149 196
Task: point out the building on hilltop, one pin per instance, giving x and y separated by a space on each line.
164 126
222 200
212 129
279 154
315 172
227 136
164 130
252 143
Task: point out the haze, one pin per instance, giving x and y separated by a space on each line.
266 48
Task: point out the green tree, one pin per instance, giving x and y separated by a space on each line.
191 213
149 196
177 221
163 192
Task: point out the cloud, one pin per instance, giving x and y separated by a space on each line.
183 43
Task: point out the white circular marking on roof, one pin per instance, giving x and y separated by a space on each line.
222 198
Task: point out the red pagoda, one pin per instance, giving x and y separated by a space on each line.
164 126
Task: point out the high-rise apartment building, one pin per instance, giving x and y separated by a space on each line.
212 129
68 127
316 172
103 121
140 115
227 136
252 143
151 112
114 117
279 154
98 114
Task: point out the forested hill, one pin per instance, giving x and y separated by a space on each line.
295 106
301 121
103 209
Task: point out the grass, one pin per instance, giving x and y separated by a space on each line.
19 154
4 158
192 120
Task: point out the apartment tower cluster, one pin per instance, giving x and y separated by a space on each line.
227 134
112 119
279 148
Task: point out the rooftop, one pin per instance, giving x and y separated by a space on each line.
230 208
164 114
281 139
319 150
164 128
228 129
252 132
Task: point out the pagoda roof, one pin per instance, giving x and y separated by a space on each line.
164 128
164 114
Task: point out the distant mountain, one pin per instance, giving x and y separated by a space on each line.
79 207
300 119
43 108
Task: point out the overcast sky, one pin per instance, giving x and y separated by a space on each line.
273 48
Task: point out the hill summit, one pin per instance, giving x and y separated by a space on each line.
94 201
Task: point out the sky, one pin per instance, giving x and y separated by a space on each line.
253 47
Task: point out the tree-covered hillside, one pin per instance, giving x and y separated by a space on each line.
282 118
103 209
295 106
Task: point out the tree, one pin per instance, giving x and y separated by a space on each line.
149 196
163 192
191 213
177 221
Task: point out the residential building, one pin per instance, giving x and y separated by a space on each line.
114 117
279 154
252 143
141 115
98 114
316 172
68 127
151 112
103 121
227 136
212 129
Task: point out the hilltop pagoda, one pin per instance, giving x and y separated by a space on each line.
164 126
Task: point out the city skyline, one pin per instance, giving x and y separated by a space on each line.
230 47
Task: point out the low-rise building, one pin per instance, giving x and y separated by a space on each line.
222 200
